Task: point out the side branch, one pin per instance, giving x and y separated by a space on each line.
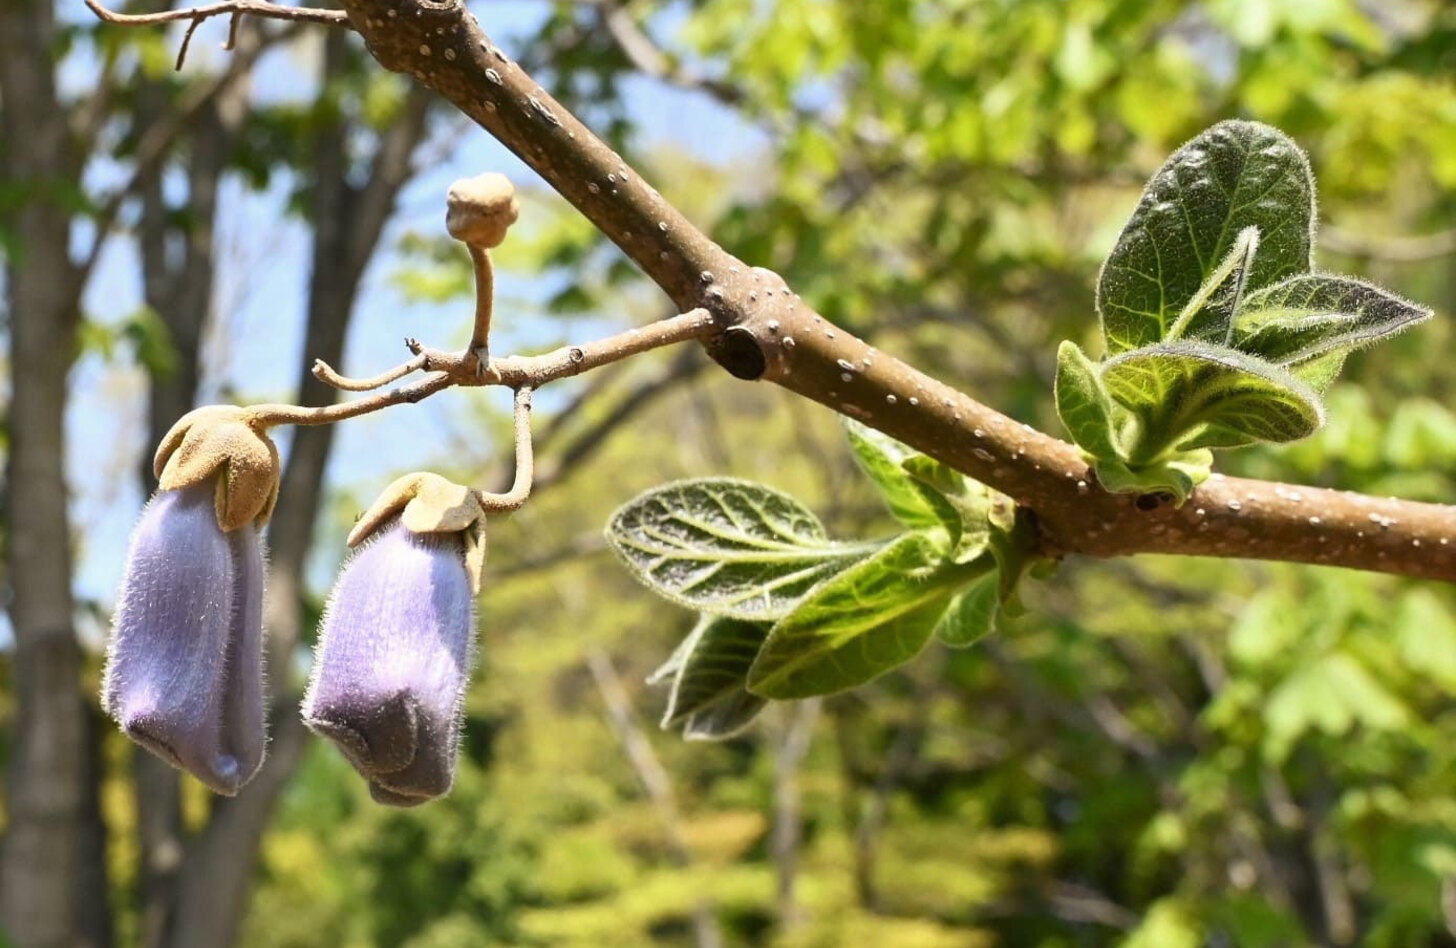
520 491
451 369
573 360
263 8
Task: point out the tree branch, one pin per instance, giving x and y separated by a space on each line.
771 334
646 57
449 369
578 449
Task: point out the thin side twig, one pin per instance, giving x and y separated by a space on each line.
325 373
235 8
449 369
520 491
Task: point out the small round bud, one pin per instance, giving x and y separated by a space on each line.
481 209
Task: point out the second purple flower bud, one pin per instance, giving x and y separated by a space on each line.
397 639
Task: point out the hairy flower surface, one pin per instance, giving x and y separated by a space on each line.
184 673
393 660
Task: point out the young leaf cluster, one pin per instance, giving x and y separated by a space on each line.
787 612
1217 331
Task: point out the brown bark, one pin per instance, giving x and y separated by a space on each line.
44 876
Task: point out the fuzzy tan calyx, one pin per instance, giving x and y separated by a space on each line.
428 503
481 209
220 441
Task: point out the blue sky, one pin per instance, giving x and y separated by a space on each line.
256 347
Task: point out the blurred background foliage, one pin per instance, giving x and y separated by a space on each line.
1161 753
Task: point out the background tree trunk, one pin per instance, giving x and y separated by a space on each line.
49 857
179 270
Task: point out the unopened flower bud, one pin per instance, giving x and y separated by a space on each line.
184 670
396 642
480 210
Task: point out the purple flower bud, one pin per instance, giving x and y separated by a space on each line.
393 662
184 673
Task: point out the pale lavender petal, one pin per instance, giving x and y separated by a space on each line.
244 729
169 642
393 662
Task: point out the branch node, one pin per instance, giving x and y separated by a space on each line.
740 353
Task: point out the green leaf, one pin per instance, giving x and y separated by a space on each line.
1193 394
971 501
710 698
1426 637
1177 474
1319 374
1306 317
1234 176
1209 316
869 619
669 669
1013 544
1084 405
880 457
972 616
100 338
727 547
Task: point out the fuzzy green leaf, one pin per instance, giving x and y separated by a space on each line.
971 501
1192 394
1084 405
867 620
1209 316
1309 316
881 457
972 616
727 547
710 698
1234 176
1177 474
